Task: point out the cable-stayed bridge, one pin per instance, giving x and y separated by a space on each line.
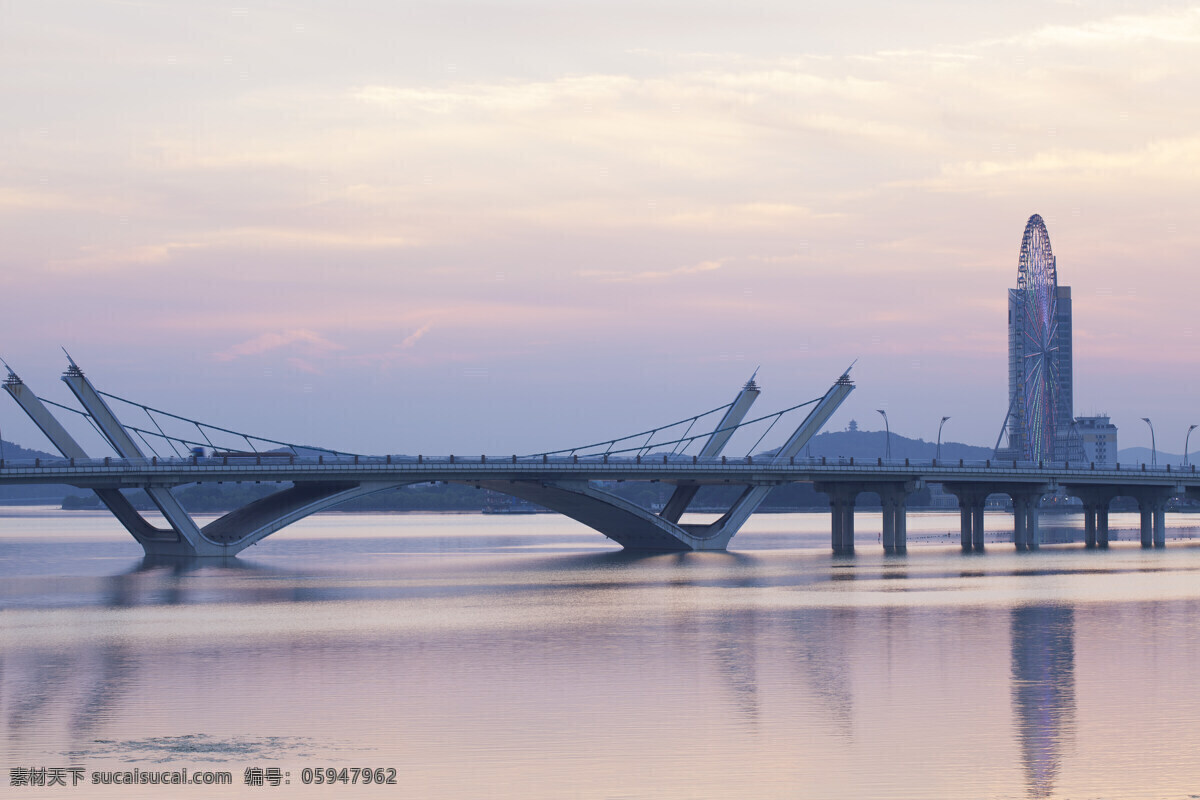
571 482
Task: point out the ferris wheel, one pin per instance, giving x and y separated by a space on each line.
1037 288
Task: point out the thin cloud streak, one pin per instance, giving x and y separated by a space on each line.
308 341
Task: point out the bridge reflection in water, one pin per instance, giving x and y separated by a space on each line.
844 679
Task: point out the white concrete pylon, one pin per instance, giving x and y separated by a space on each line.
123 443
682 497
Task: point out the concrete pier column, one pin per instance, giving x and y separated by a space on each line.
1020 518
841 512
889 525
843 495
1025 500
977 524
1096 500
1089 526
842 498
848 527
972 498
965 521
1160 524
1147 525
895 528
1033 533
836 518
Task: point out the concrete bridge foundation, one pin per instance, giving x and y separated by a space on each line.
895 520
893 497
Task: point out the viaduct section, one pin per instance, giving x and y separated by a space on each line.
576 485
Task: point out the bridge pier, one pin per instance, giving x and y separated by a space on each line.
1026 533
1152 503
893 497
972 498
895 520
1095 513
971 502
1154 521
841 508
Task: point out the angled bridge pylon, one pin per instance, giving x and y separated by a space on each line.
223 537
636 528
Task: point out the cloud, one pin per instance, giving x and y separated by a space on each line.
94 257
614 276
414 337
1166 27
308 341
302 365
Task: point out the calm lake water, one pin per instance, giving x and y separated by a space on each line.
525 657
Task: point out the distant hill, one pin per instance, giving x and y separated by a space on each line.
31 495
15 452
873 444
1141 455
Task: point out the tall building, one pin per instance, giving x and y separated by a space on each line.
1097 439
1040 379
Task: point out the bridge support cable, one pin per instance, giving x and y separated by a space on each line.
161 433
149 446
638 449
203 427
609 444
142 432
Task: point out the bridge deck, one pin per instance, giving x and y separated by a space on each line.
119 473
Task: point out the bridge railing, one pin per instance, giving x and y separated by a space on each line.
929 467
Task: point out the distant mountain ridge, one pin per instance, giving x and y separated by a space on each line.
15 452
874 444
30 495
1142 455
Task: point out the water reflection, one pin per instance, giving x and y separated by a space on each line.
616 674
1043 690
818 645
79 690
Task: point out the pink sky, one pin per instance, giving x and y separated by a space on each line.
510 227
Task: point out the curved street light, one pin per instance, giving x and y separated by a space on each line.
1185 443
939 445
1153 447
887 450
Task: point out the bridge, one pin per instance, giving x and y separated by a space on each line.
572 482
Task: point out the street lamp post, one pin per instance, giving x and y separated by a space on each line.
1185 444
939 445
1153 447
887 450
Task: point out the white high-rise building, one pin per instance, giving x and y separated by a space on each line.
1098 438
